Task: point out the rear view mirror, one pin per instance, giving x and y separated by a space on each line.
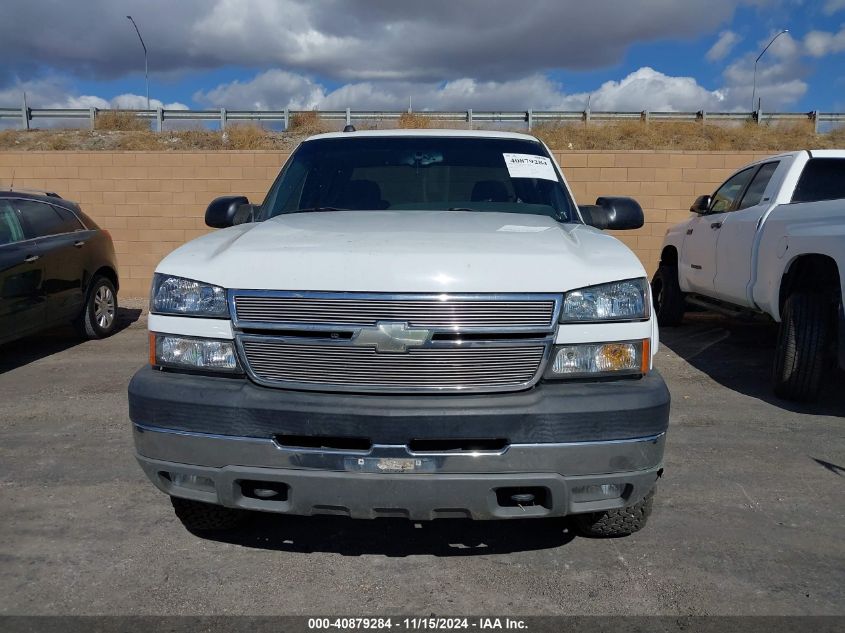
701 205
228 211
614 213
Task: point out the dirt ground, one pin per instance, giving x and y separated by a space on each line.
748 518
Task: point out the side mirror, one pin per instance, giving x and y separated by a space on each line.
229 211
701 205
614 213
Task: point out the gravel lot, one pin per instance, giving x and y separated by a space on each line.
748 519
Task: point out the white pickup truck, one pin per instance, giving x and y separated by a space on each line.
413 324
770 240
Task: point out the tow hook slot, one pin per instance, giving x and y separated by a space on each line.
523 497
265 490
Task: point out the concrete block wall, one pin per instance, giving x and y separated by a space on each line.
152 202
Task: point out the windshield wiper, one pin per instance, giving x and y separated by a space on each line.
317 209
462 209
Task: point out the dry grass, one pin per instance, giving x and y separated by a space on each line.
629 135
410 120
120 121
635 135
307 123
248 136
138 141
9 138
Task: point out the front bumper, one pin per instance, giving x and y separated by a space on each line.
560 440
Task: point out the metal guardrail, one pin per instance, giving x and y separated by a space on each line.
26 115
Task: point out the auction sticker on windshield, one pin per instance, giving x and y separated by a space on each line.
529 166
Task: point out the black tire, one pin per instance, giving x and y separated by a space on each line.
617 522
668 298
197 516
803 348
99 315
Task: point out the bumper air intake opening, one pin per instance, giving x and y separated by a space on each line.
325 442
264 490
524 497
460 445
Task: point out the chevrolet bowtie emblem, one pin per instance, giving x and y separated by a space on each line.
390 336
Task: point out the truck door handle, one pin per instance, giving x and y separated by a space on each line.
689 231
716 225
32 258
79 243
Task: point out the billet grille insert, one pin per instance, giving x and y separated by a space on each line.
451 313
430 368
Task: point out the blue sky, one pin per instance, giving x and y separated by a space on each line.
548 54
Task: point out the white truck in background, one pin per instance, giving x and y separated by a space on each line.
770 240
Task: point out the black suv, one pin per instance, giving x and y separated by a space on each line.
56 266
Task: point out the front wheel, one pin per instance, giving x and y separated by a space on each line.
668 298
617 522
99 315
803 346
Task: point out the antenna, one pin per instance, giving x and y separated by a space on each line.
12 185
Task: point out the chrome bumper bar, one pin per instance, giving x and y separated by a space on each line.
571 458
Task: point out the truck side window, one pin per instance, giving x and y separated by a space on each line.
822 179
755 191
727 194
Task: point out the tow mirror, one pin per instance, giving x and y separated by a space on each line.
229 211
701 205
615 213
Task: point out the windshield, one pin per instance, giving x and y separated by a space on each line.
420 173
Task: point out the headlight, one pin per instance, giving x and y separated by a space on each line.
175 295
617 301
599 359
182 352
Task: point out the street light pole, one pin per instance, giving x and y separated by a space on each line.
146 74
754 90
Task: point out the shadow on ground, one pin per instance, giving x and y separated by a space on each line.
739 355
396 538
32 348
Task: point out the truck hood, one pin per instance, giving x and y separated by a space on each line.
405 251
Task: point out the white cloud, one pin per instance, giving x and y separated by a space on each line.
822 43
82 101
832 6
346 40
139 102
54 92
723 46
785 47
270 90
644 89
481 54
648 89
781 75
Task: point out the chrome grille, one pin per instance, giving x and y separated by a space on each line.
485 367
434 311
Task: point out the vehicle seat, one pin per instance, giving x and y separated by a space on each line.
489 191
361 194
